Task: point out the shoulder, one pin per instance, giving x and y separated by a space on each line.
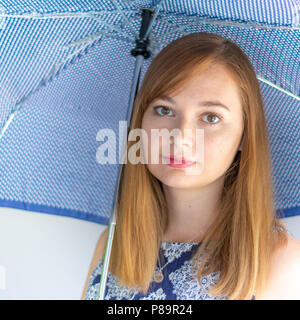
285 273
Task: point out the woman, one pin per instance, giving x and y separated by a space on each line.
206 229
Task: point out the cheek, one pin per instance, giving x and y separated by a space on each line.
219 152
215 145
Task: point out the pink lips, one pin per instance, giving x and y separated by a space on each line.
181 162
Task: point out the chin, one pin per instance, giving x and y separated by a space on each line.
183 184
179 179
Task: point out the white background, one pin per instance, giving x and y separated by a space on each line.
46 256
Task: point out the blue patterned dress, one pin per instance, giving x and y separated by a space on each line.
179 282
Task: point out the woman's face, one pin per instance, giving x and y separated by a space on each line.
222 129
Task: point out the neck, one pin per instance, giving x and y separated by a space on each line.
191 211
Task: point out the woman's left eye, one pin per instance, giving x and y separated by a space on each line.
213 115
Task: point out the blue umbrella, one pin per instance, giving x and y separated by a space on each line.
71 68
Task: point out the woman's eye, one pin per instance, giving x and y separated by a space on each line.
210 117
164 110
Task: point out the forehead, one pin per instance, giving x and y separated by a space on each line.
215 83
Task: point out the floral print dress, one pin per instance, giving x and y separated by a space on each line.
179 281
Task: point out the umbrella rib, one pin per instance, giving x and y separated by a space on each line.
92 36
58 15
7 123
239 24
125 18
278 88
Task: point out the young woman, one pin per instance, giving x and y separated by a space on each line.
205 229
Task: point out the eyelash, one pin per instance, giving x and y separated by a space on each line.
207 113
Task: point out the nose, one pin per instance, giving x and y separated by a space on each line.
183 134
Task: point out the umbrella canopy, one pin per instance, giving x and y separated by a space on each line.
67 70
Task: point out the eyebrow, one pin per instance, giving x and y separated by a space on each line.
203 103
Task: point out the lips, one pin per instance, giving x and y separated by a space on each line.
180 162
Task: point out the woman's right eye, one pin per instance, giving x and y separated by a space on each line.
164 110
